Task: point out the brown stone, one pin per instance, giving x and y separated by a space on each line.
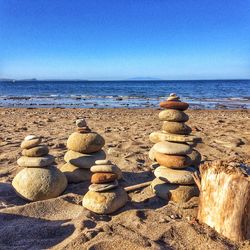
174 105
103 177
176 128
36 151
173 161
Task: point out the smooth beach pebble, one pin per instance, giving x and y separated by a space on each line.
35 184
174 105
176 128
103 162
103 177
85 143
172 148
173 98
81 123
107 169
32 162
31 137
36 151
159 136
75 174
103 187
173 161
173 115
151 154
83 160
30 143
174 192
105 202
176 176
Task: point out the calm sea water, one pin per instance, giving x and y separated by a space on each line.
214 94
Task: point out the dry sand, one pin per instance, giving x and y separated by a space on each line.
146 222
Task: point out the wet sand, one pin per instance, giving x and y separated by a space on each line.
146 221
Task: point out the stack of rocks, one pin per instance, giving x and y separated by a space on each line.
173 152
84 148
105 196
39 180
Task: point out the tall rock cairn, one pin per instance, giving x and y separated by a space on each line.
39 179
105 196
173 152
84 148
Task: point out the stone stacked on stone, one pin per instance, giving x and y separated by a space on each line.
105 196
39 180
84 148
173 152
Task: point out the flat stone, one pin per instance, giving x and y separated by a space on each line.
176 128
36 151
30 143
83 160
173 161
75 174
33 162
105 202
173 115
31 137
103 178
107 169
174 105
159 136
175 176
35 184
173 98
81 123
85 143
103 162
103 187
195 157
172 148
174 192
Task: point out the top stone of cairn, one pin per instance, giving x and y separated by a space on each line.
174 102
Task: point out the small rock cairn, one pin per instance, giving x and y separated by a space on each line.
84 148
173 152
105 196
39 180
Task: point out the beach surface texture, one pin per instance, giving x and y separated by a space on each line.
146 221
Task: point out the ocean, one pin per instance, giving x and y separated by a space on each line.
201 94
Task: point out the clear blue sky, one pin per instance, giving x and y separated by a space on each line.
120 39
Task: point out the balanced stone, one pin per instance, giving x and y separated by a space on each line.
173 115
42 161
103 187
175 176
85 143
103 162
30 137
36 151
75 174
151 154
35 184
159 136
195 157
173 161
105 202
174 105
81 123
26 144
176 128
172 148
83 160
103 177
173 97
174 192
107 169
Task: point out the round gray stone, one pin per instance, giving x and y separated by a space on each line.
42 161
103 187
172 148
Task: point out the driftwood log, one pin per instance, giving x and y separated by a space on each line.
137 186
224 202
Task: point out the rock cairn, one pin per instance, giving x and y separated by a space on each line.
173 152
105 196
39 180
84 148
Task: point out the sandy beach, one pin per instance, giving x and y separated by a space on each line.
146 222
